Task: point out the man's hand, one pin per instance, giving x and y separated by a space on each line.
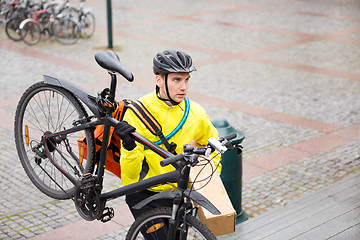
123 130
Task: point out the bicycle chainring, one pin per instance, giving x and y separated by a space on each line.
87 201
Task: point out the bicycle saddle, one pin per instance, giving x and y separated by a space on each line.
111 62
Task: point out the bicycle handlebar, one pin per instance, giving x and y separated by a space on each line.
229 137
172 159
222 145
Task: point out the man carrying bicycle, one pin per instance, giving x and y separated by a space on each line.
168 104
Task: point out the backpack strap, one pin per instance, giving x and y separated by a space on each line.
145 116
150 122
153 125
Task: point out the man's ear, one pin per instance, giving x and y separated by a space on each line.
159 81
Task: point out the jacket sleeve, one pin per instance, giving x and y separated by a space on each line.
207 130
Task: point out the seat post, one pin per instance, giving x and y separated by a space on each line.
112 86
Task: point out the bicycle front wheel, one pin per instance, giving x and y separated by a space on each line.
154 224
30 32
66 31
87 24
42 110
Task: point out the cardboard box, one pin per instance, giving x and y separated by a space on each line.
215 192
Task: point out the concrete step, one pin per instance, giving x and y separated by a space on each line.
330 213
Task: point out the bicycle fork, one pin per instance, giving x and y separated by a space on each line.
178 221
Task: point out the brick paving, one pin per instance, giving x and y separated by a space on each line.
282 71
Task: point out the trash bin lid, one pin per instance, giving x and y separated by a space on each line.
224 128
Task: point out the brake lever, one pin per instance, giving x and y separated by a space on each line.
239 146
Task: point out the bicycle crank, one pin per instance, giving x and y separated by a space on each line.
87 201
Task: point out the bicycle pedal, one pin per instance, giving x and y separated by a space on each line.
107 215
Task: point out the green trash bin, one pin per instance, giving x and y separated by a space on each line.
231 172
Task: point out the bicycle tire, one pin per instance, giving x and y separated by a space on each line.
12 28
42 109
148 221
87 25
30 32
70 12
66 31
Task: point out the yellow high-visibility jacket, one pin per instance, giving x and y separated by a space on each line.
139 163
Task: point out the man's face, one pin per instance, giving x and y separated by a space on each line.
178 84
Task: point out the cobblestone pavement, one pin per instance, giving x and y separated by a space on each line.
284 72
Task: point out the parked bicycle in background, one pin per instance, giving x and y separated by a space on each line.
49 22
58 19
84 17
18 11
6 7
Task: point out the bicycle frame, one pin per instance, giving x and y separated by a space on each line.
37 18
108 122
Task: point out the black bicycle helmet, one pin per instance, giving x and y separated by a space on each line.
170 61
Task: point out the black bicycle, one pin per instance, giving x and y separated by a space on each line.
18 12
50 118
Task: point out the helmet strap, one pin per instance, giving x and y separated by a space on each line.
167 92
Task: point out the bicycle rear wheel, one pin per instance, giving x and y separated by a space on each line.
45 109
155 222
12 28
66 31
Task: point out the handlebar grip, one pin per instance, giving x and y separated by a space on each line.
230 136
171 160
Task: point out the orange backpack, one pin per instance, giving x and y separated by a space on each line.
112 163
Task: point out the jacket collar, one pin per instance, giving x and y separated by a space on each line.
163 105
